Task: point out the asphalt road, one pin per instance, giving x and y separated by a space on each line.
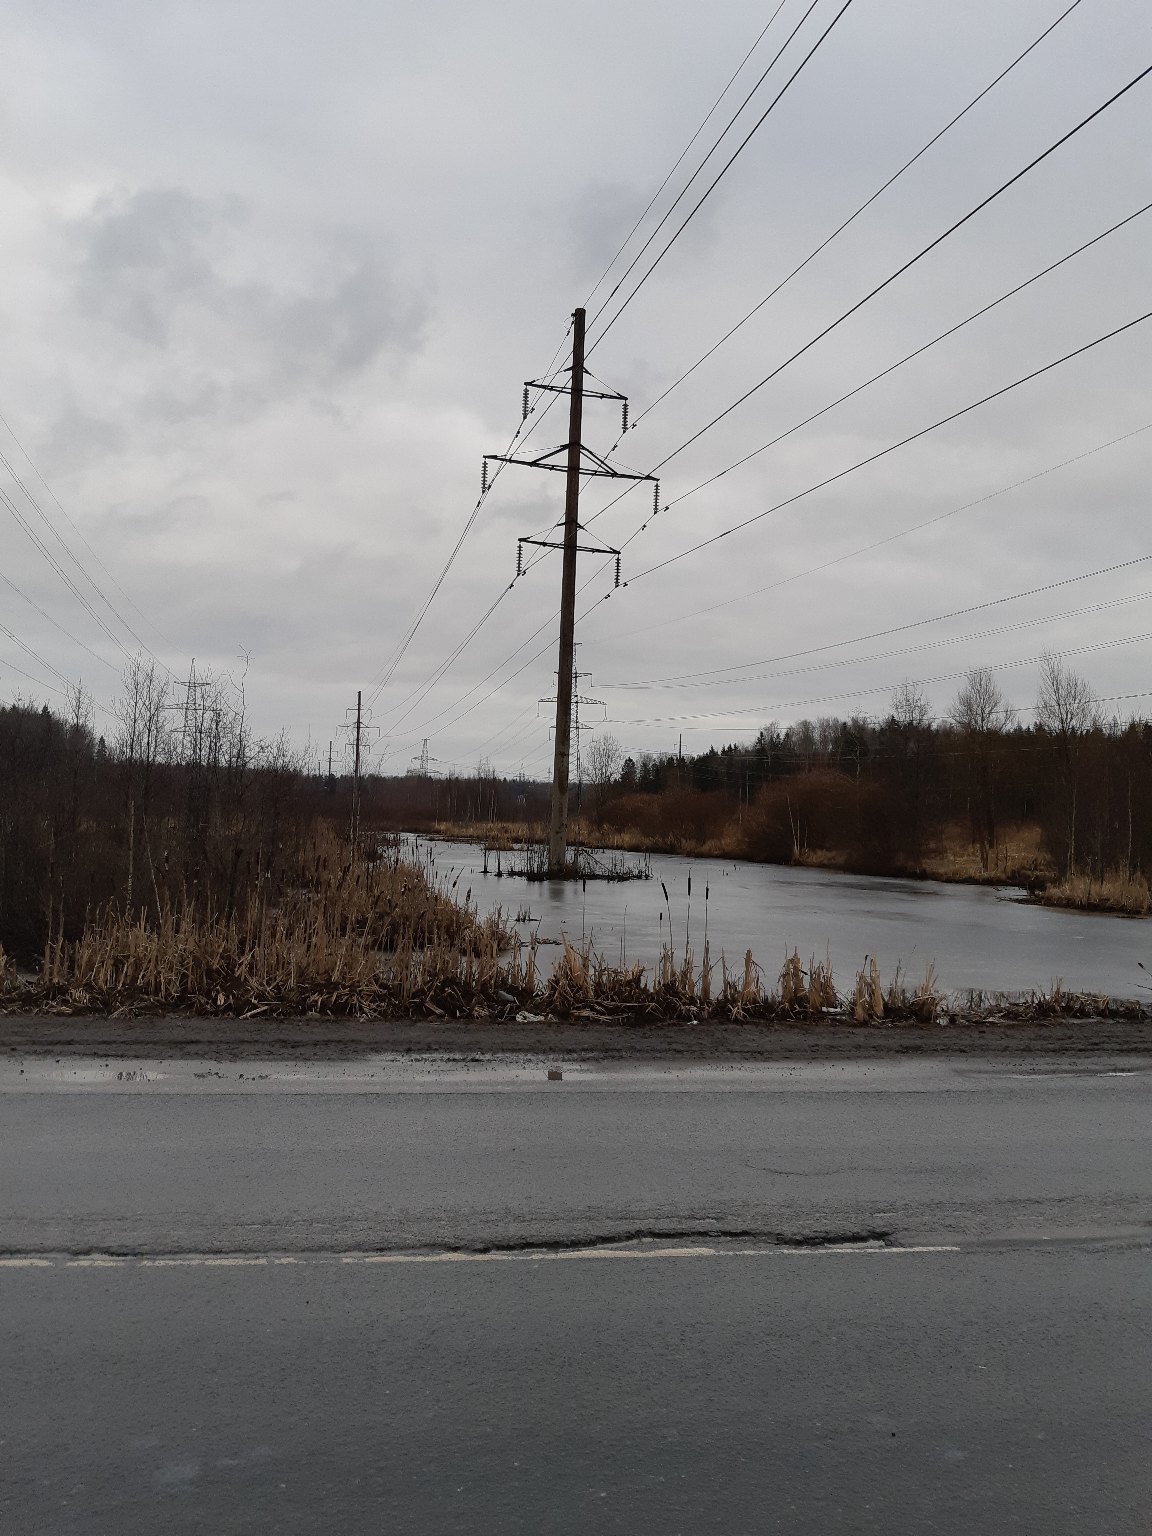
395 1297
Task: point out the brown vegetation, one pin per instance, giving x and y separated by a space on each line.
326 957
1064 803
1114 891
187 866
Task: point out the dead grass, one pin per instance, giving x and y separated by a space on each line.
384 940
497 836
1018 857
1114 892
351 940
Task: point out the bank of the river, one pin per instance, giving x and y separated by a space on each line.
1019 861
102 1039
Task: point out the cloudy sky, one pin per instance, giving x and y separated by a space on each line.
273 276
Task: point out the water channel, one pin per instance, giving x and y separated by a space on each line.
978 937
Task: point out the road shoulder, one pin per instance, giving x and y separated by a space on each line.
313 1039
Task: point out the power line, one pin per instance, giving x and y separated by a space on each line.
892 367
35 656
715 182
388 671
43 549
736 754
19 671
716 143
477 703
910 356
1104 606
839 230
429 683
710 677
44 614
447 725
72 556
942 677
437 718
907 265
422 692
410 701
75 529
890 538
715 107
893 447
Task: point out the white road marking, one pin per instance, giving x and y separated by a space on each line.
536 1255
205 1261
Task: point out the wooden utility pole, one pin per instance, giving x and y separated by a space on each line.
558 829
578 461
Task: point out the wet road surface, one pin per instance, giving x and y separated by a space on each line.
405 1296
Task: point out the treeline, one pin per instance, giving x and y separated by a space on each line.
175 805
178 807
886 796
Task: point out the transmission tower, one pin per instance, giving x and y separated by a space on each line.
578 725
192 728
572 459
361 732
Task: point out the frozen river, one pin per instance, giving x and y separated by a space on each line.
978 937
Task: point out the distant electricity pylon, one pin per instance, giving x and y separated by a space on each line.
572 459
191 730
361 732
578 699
421 765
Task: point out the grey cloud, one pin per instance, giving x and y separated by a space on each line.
154 267
602 214
77 437
144 259
266 369
347 328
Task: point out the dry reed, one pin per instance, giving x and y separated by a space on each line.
384 940
1116 891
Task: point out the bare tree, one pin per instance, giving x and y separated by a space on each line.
143 741
801 737
981 714
144 737
979 706
1064 709
911 721
1064 704
910 707
602 761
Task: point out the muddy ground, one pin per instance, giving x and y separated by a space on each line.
335 1039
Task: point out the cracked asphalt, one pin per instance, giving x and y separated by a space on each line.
411 1294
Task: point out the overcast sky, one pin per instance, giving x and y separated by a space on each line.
273 276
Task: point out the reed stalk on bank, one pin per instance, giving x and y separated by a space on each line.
385 941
